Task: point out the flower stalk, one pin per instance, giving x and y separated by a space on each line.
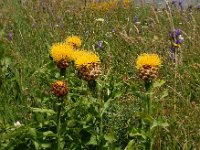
58 125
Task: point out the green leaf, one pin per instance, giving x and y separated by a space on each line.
36 144
45 145
158 83
32 132
164 94
49 134
93 140
110 137
41 110
160 123
144 116
138 94
6 61
138 134
71 123
130 145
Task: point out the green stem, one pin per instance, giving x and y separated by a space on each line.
148 101
58 126
93 88
148 85
148 105
62 72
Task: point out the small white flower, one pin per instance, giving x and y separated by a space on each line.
180 37
100 19
137 22
17 124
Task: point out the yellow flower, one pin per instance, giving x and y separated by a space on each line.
176 45
151 60
59 88
88 64
60 51
85 58
60 83
126 3
74 41
104 5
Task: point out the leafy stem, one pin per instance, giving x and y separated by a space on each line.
58 125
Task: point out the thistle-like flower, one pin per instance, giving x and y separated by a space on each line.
148 65
74 41
59 88
61 54
88 64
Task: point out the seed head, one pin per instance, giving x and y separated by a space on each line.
59 88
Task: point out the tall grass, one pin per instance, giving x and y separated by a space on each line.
28 29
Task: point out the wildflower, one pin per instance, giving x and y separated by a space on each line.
74 41
61 54
136 20
176 41
148 65
176 37
10 35
17 124
100 20
104 6
61 51
181 5
59 88
176 45
88 65
173 3
172 53
100 45
198 7
126 3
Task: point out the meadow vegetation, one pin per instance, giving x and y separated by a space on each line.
130 100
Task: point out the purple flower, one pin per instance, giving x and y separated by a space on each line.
174 3
176 40
172 53
100 45
181 5
179 40
33 24
135 19
177 32
10 35
198 7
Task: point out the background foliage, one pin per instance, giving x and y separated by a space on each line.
28 29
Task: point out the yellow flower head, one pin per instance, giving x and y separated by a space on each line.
85 58
145 59
104 5
126 3
74 41
59 88
60 83
61 51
